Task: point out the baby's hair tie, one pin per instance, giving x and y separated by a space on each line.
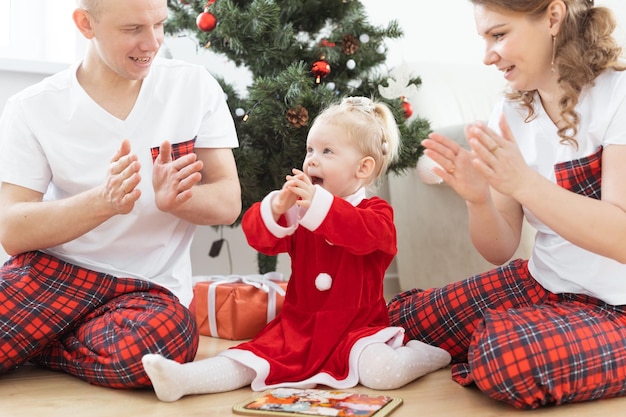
385 147
361 103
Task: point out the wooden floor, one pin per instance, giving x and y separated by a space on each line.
34 392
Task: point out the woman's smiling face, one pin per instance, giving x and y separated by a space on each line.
517 45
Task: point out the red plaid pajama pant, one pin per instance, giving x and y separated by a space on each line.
88 324
518 342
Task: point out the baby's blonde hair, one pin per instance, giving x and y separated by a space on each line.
371 128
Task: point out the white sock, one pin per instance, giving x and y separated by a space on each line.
172 380
382 367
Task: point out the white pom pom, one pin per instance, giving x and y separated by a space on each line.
425 167
323 282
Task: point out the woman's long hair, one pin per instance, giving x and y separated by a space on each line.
584 48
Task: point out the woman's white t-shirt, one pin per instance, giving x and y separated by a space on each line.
56 140
555 263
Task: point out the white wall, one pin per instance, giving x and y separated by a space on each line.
444 30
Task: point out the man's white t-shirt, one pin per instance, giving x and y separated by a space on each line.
56 140
555 263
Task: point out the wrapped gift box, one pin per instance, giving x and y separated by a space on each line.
237 307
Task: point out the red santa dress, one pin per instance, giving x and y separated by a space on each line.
334 305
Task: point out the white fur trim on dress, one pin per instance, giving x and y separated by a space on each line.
393 336
268 218
316 213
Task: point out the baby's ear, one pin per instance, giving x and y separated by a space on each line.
366 167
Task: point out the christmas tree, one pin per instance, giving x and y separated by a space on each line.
302 55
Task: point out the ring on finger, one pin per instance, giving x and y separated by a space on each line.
451 170
494 148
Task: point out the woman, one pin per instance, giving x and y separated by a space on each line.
551 329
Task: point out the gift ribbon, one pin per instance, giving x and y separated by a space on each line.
265 282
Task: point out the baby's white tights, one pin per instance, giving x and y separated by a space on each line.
381 367
172 380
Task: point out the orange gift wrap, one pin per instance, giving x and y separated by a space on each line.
236 307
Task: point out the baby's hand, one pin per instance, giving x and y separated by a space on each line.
284 200
302 186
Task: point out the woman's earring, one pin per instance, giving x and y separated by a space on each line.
553 53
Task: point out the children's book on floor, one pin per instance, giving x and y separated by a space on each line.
317 402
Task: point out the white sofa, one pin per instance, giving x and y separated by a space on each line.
434 247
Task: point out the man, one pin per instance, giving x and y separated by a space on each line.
105 170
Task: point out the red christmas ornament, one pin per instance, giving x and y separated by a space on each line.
320 69
206 21
408 108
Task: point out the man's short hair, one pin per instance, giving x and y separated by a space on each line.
94 7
